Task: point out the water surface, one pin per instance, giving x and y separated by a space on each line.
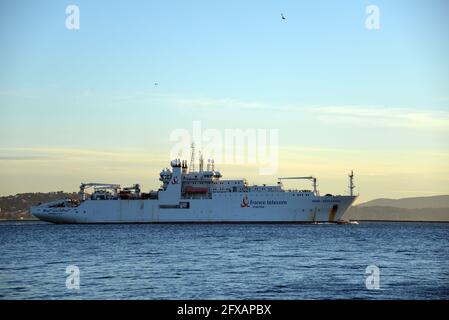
224 261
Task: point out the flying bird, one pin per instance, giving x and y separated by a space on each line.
282 16
156 83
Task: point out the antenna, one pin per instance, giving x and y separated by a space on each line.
201 162
192 158
351 183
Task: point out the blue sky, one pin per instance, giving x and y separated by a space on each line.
320 77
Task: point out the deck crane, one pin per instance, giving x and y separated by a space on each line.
84 186
313 179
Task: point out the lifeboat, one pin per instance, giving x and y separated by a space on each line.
190 189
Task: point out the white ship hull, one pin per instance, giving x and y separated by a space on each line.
277 207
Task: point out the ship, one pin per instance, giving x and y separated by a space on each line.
187 195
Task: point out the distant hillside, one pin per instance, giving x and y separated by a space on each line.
17 206
410 203
396 214
434 208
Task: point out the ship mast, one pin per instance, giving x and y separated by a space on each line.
192 158
201 162
351 183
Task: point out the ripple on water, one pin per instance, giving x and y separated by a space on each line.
224 261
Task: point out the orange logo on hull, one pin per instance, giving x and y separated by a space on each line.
245 202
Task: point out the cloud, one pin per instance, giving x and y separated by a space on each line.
25 158
29 93
384 117
374 116
220 103
83 155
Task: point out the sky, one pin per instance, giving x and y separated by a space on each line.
80 105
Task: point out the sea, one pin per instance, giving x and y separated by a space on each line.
371 260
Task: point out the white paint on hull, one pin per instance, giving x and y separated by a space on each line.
283 207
